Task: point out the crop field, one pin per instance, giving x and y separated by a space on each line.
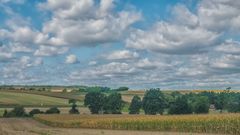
12 99
219 124
16 126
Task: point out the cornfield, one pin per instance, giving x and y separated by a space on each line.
218 124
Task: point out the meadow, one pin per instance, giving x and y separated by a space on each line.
9 99
211 123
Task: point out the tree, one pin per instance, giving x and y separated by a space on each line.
74 109
5 113
53 110
94 100
201 105
113 104
234 104
122 89
35 111
153 102
180 106
135 105
17 111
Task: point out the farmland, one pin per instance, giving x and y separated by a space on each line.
15 126
221 123
24 99
211 122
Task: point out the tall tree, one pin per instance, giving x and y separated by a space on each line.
74 109
113 104
135 105
201 105
94 100
153 102
180 106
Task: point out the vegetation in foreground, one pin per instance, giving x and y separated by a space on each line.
218 123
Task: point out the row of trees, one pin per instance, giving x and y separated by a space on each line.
98 102
156 102
19 111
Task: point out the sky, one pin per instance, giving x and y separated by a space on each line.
168 44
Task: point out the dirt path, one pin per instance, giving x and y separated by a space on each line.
32 127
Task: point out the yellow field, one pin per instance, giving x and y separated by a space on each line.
221 123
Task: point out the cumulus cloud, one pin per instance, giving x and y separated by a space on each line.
71 59
220 15
104 72
5 54
172 39
229 47
122 55
50 51
85 22
92 63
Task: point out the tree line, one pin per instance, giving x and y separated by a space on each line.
155 101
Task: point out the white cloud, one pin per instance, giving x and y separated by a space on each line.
122 55
229 47
50 51
86 23
71 59
184 17
172 39
5 54
220 15
92 63
104 72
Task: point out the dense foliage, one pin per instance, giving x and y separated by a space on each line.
73 109
113 104
136 105
17 111
94 100
180 106
153 102
53 110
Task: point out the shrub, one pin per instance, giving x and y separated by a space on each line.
53 110
35 111
17 111
74 109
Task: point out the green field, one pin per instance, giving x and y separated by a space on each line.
10 99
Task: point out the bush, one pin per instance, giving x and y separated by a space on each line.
122 89
17 111
53 110
35 111
5 113
74 109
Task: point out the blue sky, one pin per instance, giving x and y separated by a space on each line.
177 44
